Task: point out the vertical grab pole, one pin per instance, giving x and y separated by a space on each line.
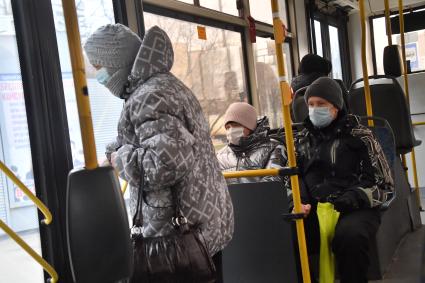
80 83
368 99
388 22
279 36
406 89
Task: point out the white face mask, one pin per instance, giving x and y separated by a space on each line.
234 135
320 116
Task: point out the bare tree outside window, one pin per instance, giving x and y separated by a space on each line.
212 68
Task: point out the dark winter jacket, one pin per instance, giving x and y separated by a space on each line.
303 80
341 157
162 129
257 151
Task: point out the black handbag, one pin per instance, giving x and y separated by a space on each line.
181 257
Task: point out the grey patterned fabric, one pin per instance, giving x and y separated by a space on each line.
162 128
257 151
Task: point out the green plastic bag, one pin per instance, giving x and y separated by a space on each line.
328 217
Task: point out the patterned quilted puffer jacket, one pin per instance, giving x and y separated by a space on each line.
163 129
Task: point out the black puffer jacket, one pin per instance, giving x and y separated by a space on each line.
257 151
343 156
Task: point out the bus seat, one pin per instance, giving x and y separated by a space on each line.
262 248
299 108
384 134
97 228
388 103
392 61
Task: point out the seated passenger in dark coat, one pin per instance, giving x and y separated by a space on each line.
341 162
311 68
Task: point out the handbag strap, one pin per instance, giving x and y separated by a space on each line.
178 218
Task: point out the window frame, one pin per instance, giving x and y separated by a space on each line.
372 37
195 13
339 20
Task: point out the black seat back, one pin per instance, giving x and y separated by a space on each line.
97 228
262 249
389 103
299 108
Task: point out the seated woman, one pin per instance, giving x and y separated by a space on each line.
341 162
249 144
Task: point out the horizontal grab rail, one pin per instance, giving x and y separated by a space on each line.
283 171
46 212
419 124
46 266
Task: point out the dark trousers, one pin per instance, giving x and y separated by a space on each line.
217 259
353 235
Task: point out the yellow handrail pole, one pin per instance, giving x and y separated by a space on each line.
419 124
279 37
46 212
388 22
124 187
368 99
251 173
406 89
46 266
80 83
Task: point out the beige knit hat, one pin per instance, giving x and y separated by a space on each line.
242 113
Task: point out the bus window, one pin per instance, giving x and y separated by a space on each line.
267 81
16 210
335 53
213 68
415 46
318 37
225 6
261 11
105 107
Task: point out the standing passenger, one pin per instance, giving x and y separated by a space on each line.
341 162
249 144
161 129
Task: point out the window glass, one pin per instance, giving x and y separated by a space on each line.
225 6
213 69
261 11
415 46
318 37
186 1
16 210
267 79
105 107
335 53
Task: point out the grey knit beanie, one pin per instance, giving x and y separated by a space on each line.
114 47
242 113
327 89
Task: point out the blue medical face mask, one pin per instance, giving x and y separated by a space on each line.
102 76
320 116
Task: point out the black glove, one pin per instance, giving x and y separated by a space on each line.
322 191
347 202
